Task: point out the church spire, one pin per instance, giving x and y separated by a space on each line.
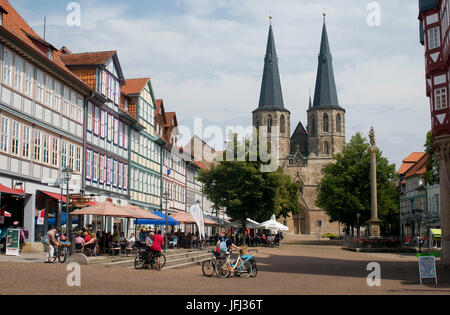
325 94
271 96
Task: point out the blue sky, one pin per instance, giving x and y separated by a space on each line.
205 57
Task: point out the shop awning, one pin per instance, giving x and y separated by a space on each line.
6 190
436 232
54 196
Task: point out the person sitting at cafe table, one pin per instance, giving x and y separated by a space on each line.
91 243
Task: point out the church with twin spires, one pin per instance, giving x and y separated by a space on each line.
303 153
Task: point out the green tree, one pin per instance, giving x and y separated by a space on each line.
432 174
245 192
345 190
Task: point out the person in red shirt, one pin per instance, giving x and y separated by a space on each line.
158 241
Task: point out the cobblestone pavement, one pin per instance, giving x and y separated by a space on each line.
293 268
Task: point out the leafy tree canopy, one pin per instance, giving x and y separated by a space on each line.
345 190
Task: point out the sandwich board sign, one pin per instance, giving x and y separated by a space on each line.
427 268
13 242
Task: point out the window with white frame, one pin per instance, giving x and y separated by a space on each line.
73 105
89 116
71 156
45 148
29 74
95 167
15 138
120 175
49 91
110 127
37 145
88 164
66 101
115 172
103 124
78 160
102 169
109 171
104 83
63 153
26 142
440 98
96 120
18 78
116 131
58 93
121 125
80 106
434 39
7 65
40 86
125 177
55 151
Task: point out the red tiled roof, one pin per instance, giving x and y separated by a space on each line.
88 58
414 157
134 86
169 119
410 161
419 167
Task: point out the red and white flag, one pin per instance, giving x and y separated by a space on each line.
7 214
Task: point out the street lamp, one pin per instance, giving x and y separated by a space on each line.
66 176
165 195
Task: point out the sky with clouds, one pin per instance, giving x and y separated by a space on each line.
205 57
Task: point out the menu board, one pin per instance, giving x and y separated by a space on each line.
427 268
13 242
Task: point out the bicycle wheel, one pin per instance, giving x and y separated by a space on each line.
63 253
244 270
254 271
55 254
162 261
208 268
222 270
139 262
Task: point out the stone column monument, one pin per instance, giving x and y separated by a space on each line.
442 149
374 223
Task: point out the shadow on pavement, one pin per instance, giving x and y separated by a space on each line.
405 271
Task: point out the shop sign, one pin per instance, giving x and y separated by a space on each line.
13 242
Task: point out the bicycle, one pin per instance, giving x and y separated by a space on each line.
61 252
141 257
211 266
241 268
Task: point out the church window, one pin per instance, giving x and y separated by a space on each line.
338 123
269 124
282 124
313 126
326 148
325 123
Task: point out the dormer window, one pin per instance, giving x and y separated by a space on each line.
2 13
50 54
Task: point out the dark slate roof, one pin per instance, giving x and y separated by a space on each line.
271 97
425 5
325 95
